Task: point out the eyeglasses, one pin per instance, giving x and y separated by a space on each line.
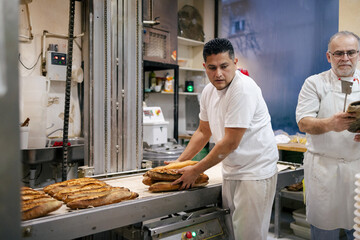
340 54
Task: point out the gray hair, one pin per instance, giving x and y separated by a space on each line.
343 33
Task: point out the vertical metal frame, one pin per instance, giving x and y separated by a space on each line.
101 88
10 163
130 60
114 113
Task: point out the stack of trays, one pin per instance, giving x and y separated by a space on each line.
357 206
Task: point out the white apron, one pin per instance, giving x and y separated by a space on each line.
330 173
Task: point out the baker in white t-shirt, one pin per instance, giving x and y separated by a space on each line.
234 113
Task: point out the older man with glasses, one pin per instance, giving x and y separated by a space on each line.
333 156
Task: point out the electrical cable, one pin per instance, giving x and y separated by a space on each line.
29 68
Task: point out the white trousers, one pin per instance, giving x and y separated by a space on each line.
250 204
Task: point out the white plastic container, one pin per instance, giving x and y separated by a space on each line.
24 137
300 231
33 103
300 217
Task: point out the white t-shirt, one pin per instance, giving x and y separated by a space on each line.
241 105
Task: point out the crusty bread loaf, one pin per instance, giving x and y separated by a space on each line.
164 186
54 188
75 188
160 178
168 172
164 175
36 204
148 181
354 107
168 186
114 196
175 165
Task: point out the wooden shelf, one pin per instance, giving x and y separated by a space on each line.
296 147
189 42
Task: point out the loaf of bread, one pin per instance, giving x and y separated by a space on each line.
354 107
88 192
115 195
36 204
168 186
56 187
160 178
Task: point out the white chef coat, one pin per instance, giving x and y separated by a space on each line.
333 158
241 105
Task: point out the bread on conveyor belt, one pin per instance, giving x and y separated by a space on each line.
175 165
36 203
76 188
160 178
88 192
201 181
117 194
56 187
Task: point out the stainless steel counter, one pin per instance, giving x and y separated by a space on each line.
67 224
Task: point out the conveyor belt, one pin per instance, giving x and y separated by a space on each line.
68 224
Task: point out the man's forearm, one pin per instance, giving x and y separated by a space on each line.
221 150
314 125
197 142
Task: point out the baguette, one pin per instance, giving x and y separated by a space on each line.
168 186
148 181
88 193
202 180
36 203
164 175
39 209
354 107
53 188
168 172
176 165
75 188
116 195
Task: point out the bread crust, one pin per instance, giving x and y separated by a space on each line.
36 204
39 209
168 186
114 196
54 188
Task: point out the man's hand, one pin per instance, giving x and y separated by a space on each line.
341 121
188 178
338 122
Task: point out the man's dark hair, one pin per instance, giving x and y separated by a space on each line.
216 46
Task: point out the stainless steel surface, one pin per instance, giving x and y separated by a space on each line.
49 154
131 72
115 111
346 87
10 165
158 154
185 220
